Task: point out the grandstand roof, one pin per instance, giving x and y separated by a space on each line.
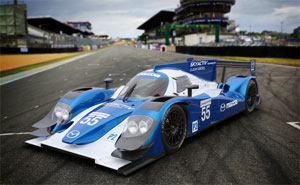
78 22
155 21
53 25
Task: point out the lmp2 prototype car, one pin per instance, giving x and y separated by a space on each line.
131 126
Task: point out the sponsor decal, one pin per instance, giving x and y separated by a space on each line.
198 63
224 106
99 115
150 74
201 63
197 69
231 104
73 134
195 126
252 66
119 106
205 103
112 137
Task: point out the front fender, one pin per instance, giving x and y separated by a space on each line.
83 98
77 100
156 110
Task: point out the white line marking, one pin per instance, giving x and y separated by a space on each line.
294 124
13 134
116 74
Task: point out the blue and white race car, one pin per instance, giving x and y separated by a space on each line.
129 127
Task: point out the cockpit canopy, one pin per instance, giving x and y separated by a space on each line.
144 87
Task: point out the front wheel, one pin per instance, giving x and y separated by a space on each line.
174 129
251 96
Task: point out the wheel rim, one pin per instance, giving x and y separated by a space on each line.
174 128
251 96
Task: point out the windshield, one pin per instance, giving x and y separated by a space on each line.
144 88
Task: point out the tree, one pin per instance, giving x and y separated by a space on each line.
296 33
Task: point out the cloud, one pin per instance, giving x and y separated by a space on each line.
122 17
266 15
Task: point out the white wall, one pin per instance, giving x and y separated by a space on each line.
35 31
193 39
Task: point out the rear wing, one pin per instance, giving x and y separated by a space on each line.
236 64
206 69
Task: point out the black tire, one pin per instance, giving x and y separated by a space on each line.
173 129
251 95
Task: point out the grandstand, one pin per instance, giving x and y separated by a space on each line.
18 31
191 12
204 12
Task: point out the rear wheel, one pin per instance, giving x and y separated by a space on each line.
174 128
251 95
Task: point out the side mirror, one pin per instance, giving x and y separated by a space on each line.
190 88
107 82
226 88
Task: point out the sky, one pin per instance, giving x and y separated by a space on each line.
120 18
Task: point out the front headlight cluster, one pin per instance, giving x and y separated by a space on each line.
137 125
62 113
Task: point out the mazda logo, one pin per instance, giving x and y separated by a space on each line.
73 134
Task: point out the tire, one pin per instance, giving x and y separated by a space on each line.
251 94
174 129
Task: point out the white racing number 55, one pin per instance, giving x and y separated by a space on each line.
93 118
205 114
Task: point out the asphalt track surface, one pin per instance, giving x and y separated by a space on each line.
259 148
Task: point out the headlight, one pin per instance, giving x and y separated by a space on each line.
61 113
65 114
137 125
133 127
58 112
143 126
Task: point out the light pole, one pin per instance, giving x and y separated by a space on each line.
281 36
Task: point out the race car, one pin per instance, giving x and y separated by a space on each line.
131 126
